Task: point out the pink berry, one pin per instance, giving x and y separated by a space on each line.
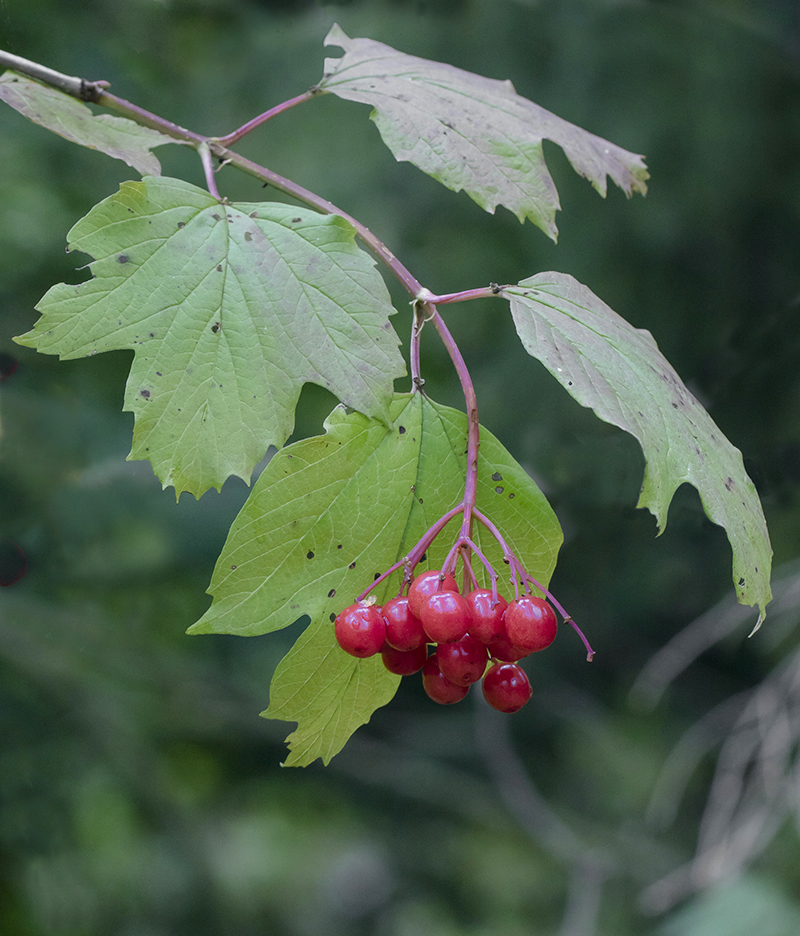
404 662
360 630
426 584
464 661
444 616
438 686
506 687
403 630
530 623
485 617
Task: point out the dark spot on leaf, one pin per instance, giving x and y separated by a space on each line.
8 364
375 576
215 327
420 500
248 236
219 268
741 581
13 564
499 490
152 335
233 567
401 429
729 484
339 546
333 618
296 220
216 217
674 405
123 258
423 557
352 565
511 497
331 593
181 224
145 394
497 476
159 374
309 555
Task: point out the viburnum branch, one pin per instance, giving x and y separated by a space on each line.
231 138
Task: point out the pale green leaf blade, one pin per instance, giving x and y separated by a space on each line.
472 133
229 310
618 371
330 513
65 115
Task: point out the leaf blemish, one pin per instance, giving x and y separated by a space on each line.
352 565
331 593
729 483
181 224
401 430
310 554
248 236
123 258
498 489
332 617
497 476
145 394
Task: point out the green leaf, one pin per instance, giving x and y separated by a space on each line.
230 309
115 136
470 132
618 371
330 513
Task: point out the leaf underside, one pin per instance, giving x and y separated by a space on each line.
229 310
470 132
330 513
115 136
617 370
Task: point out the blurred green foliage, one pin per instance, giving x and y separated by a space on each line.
140 794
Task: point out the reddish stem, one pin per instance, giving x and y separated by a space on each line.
237 135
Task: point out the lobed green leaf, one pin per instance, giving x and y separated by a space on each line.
115 136
229 309
329 514
617 370
470 132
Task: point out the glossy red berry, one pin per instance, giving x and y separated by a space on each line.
360 630
438 686
404 662
530 623
444 616
506 687
485 617
426 584
501 648
464 661
403 630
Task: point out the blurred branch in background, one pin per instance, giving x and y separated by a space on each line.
756 783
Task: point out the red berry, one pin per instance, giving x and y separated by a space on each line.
403 630
485 620
404 662
501 648
464 661
360 630
530 623
506 687
438 686
444 616
426 584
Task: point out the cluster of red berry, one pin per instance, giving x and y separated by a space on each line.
468 632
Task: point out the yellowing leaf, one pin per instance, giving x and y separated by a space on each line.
618 371
472 133
115 136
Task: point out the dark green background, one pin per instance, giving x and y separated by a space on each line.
140 794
